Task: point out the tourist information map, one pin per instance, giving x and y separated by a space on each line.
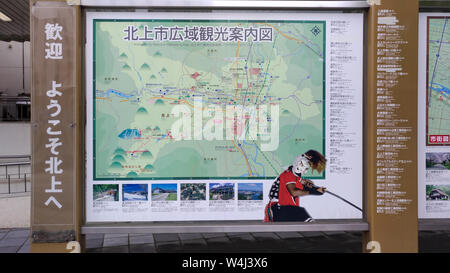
192 116
252 94
438 81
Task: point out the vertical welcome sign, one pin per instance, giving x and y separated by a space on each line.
53 123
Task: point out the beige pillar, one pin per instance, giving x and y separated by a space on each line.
391 157
55 124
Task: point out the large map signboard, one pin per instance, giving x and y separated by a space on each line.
438 81
434 113
193 115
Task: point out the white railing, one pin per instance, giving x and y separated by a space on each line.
15 177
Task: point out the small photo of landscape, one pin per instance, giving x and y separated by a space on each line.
438 161
135 192
106 192
250 191
438 192
221 191
164 192
193 191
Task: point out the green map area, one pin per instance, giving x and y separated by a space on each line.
438 82
273 70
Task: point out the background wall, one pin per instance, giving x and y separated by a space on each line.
14 68
15 210
15 138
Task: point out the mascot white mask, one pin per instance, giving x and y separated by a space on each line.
301 165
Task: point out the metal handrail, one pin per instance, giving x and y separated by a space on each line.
225 226
15 163
14 156
8 176
24 182
15 108
14 99
18 164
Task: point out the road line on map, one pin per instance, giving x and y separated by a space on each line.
235 99
102 98
291 38
437 58
256 100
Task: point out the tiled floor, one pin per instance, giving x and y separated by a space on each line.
14 241
17 241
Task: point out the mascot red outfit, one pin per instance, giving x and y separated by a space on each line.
284 195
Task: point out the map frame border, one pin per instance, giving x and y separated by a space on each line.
427 89
93 115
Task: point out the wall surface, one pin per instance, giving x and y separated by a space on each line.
14 58
15 138
15 210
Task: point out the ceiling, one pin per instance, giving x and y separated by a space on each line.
19 28
19 11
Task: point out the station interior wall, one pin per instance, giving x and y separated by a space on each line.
14 69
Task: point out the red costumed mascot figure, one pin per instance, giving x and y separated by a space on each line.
284 194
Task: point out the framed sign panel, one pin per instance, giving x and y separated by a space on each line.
434 115
193 116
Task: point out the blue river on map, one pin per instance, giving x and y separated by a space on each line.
445 91
118 93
